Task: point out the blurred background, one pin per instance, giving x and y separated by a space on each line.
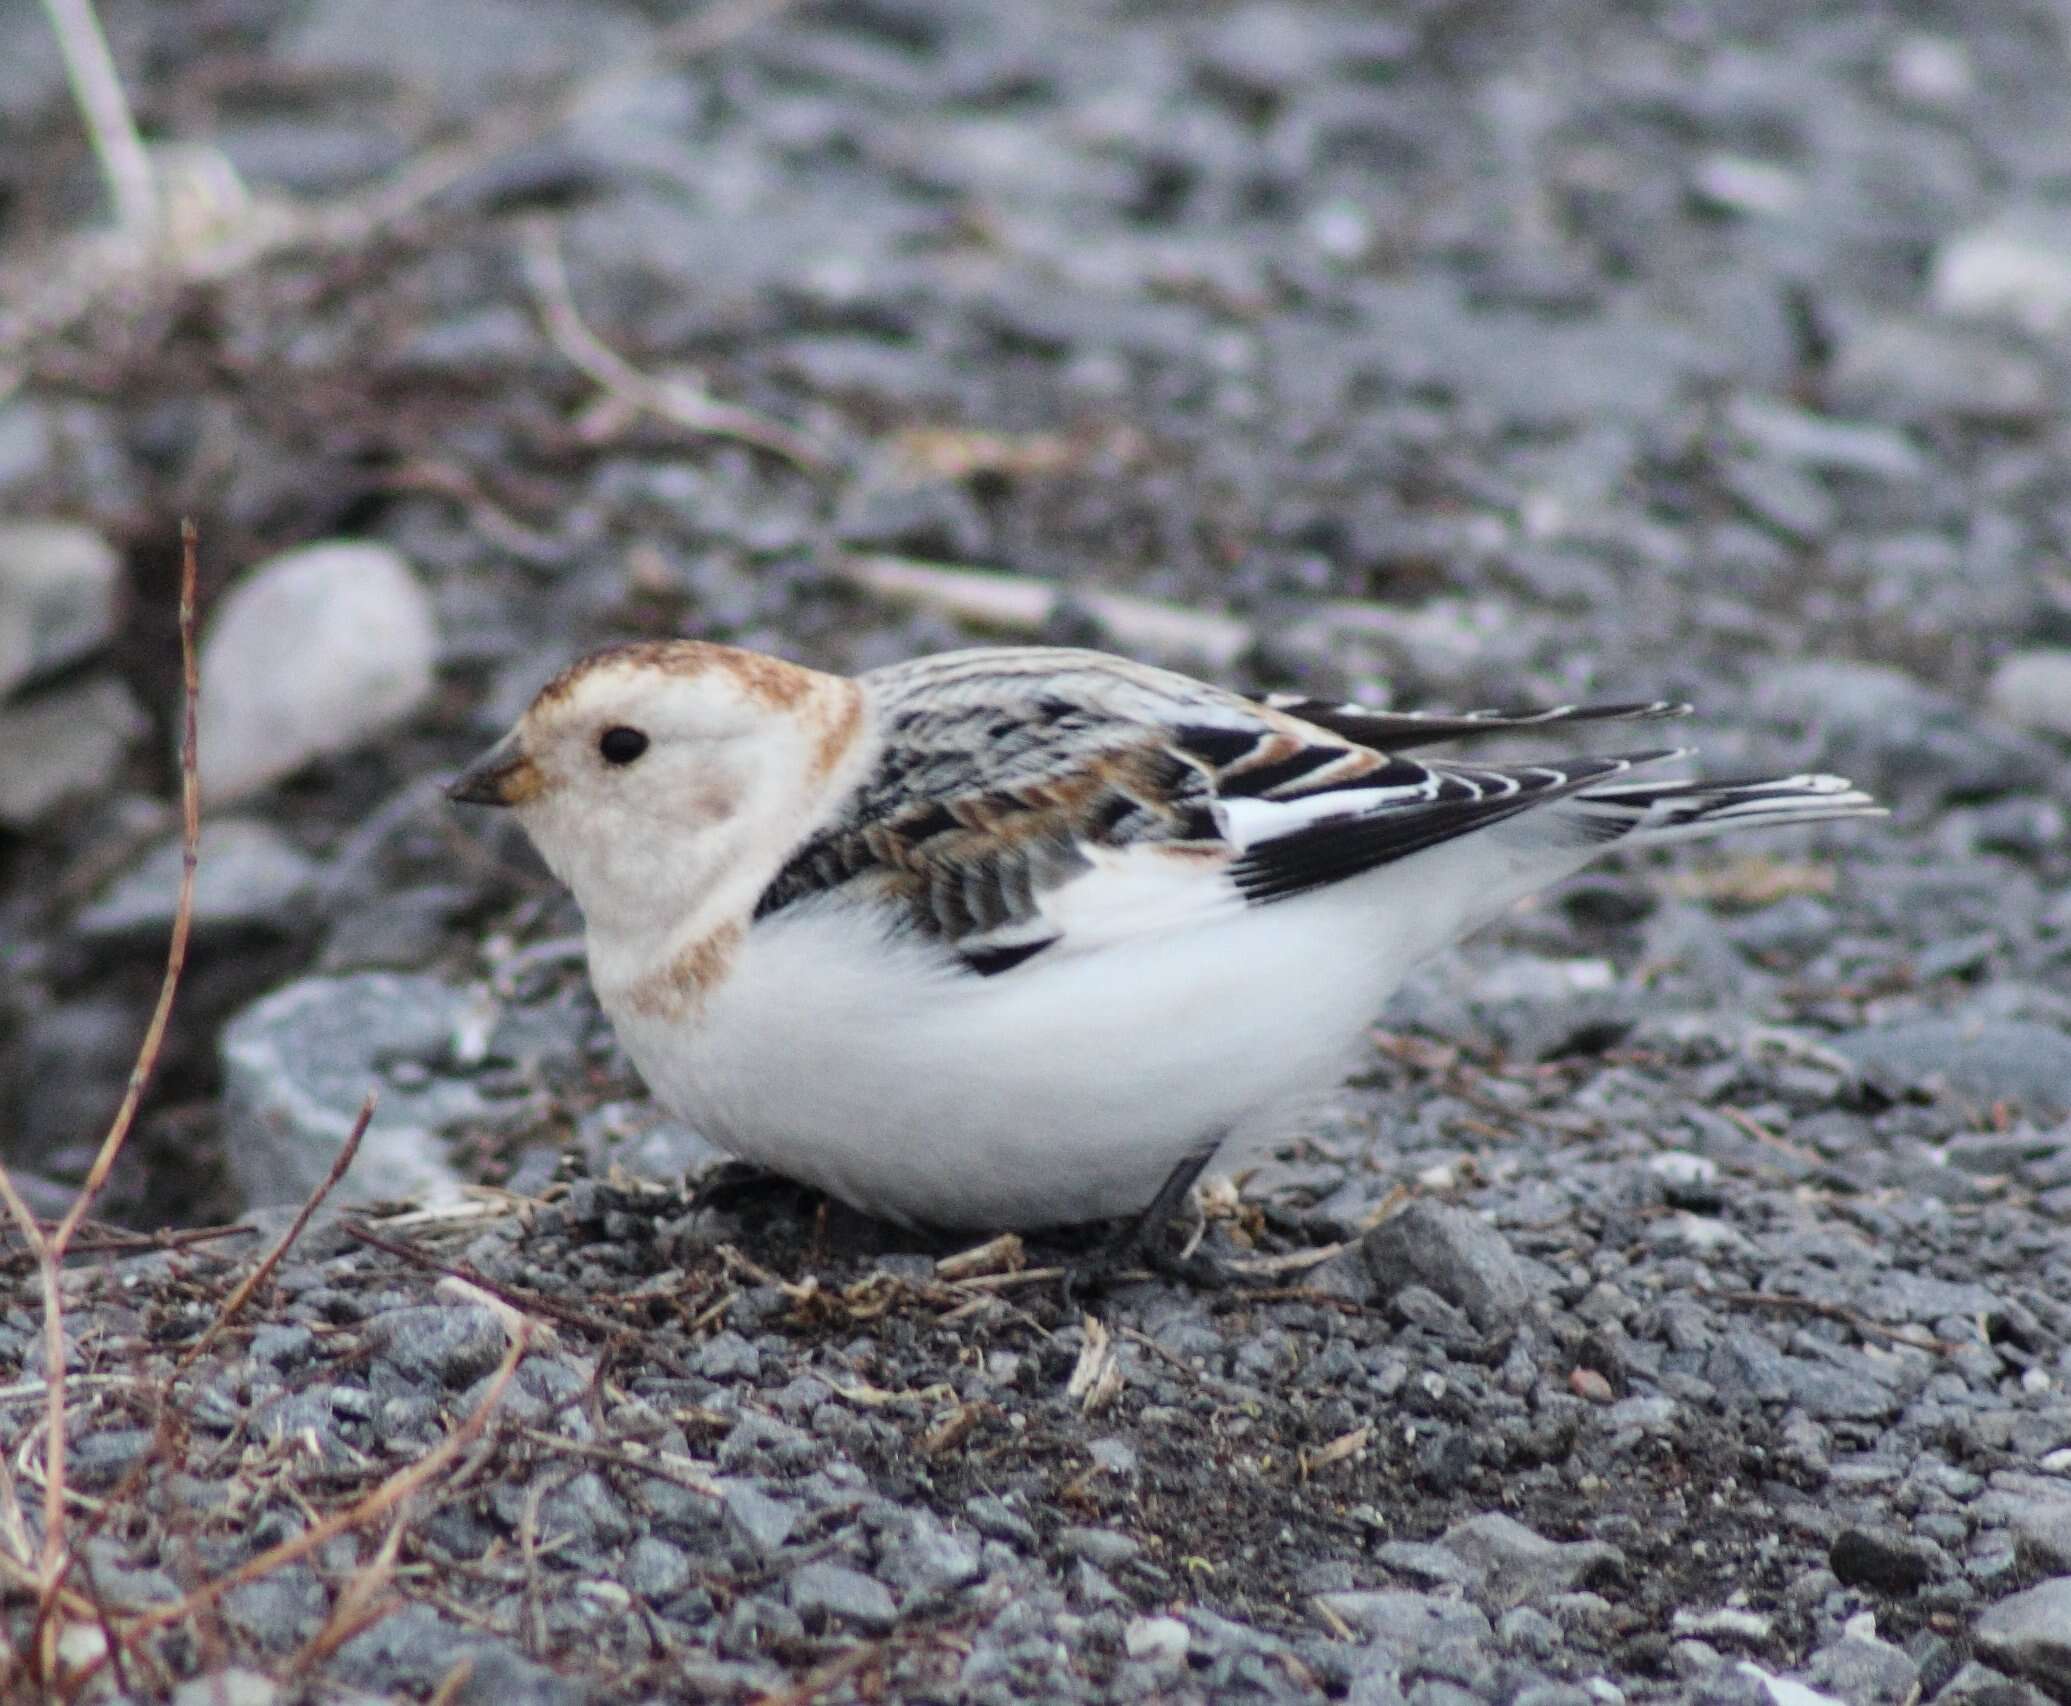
1442 353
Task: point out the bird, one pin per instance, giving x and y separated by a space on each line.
1016 937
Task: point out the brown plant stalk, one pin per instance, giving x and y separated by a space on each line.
50 1249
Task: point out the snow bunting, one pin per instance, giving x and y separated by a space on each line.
1017 936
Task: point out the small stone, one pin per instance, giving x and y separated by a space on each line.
2030 1634
234 1687
1862 1669
58 585
1934 70
1986 1060
835 1591
1453 1253
1881 1559
1161 1640
1516 1565
1725 1622
431 1346
99 1460
2042 1534
1101 1546
316 651
765 1523
1407 1622
2015 267
655 1569
249 876
63 744
1909 368
928 1558
499 1676
1735 183
2033 690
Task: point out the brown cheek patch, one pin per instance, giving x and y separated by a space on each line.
679 988
835 720
711 799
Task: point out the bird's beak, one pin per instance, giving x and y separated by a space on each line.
502 776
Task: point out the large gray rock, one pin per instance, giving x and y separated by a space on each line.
1982 1060
2030 1635
297 1064
58 585
316 651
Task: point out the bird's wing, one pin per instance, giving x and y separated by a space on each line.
1029 799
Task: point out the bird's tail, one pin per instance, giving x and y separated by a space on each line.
1652 814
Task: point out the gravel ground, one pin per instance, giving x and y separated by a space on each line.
1679 1307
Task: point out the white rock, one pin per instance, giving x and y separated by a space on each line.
2033 690
64 743
1162 1640
316 651
1784 1690
1934 70
2015 268
57 596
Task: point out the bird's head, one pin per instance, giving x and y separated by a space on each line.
648 775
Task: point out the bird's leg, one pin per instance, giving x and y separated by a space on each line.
1142 1239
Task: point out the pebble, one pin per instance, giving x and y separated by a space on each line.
834 1591
1982 1059
248 877
1880 1559
1407 1622
2042 1534
2014 267
2030 1635
1160 1640
1453 1253
314 652
234 1686
59 584
67 743
2032 690
1515 1566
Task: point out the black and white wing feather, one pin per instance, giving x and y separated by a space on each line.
1027 799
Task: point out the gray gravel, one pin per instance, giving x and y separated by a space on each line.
1703 1324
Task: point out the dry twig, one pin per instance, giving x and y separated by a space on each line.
674 398
50 1249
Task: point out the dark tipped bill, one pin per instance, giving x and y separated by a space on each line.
502 776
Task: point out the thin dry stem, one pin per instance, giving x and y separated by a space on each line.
250 1284
183 912
50 1250
673 400
383 1499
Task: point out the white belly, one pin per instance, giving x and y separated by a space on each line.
1063 1090
1070 1087
1066 1089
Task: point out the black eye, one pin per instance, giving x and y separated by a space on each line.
621 745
